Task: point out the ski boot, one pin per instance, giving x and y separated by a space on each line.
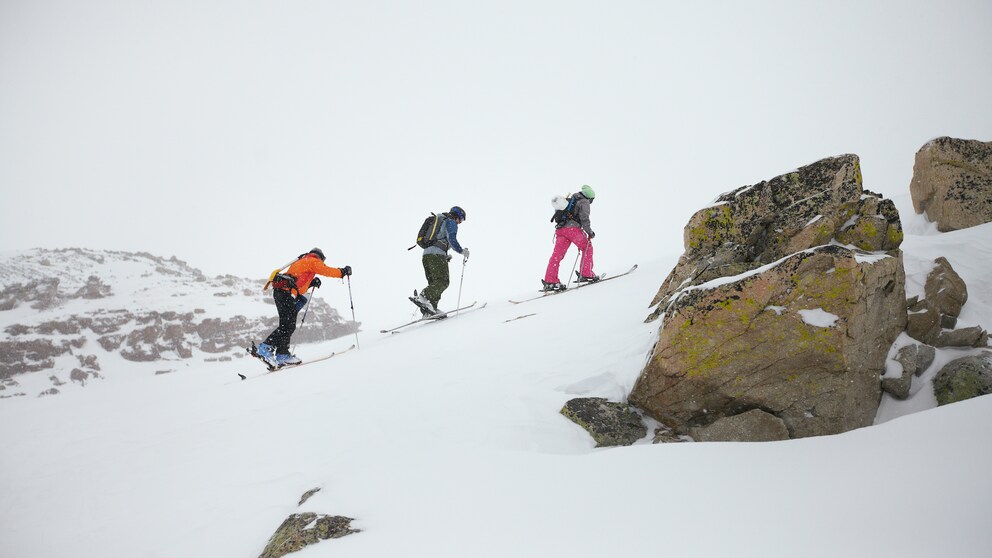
552 287
267 353
584 279
426 308
287 360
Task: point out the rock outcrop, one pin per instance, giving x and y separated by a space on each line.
786 301
805 340
933 319
952 183
304 529
756 225
609 423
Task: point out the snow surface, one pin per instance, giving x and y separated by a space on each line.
445 440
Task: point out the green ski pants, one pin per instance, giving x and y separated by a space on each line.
436 270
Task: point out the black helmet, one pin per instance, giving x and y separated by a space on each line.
457 212
318 252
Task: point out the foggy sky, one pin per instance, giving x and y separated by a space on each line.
235 135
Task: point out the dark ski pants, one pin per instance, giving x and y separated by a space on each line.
286 305
436 270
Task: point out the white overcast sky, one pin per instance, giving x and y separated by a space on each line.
236 134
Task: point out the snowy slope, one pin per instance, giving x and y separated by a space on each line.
445 440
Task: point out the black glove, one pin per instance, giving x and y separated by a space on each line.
315 283
346 271
592 235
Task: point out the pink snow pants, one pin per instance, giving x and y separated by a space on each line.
565 237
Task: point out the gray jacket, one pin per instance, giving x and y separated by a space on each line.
581 210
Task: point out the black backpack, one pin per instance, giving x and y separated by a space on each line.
428 232
561 216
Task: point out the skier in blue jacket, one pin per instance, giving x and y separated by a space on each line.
436 260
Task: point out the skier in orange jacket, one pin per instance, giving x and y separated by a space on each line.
289 292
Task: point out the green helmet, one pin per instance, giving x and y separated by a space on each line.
588 192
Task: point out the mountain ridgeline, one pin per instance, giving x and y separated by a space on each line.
66 310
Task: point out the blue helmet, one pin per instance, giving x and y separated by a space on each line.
457 212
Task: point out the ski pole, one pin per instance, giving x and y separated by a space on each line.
307 307
573 268
352 302
305 310
459 303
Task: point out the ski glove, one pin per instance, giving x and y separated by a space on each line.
315 283
346 271
301 301
465 253
592 235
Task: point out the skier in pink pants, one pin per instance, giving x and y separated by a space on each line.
572 227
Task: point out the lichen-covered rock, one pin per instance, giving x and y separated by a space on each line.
752 426
757 225
304 529
952 183
805 339
964 378
609 423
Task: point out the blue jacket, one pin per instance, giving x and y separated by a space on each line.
447 238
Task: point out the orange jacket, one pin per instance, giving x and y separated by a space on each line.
306 267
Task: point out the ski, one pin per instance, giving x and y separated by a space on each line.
603 278
437 317
253 351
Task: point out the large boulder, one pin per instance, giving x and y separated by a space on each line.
756 225
805 339
964 378
952 183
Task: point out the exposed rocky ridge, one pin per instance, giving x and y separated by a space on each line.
62 308
952 183
786 301
755 225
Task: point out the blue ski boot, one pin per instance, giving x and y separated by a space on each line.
267 353
286 360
